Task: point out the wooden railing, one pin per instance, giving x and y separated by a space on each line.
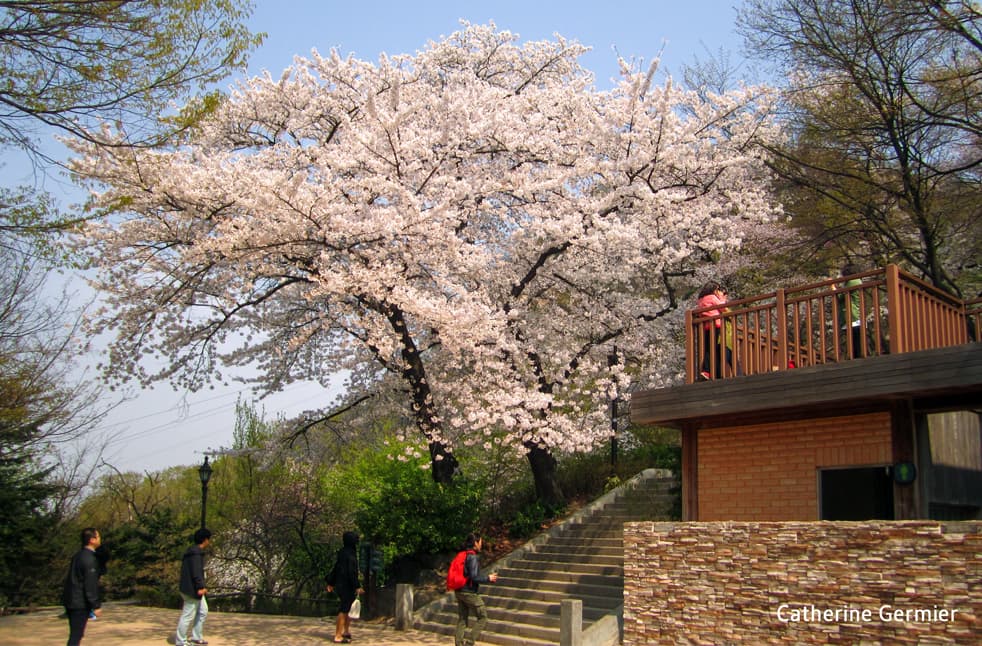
849 317
973 310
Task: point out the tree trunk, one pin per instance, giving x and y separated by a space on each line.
544 474
443 464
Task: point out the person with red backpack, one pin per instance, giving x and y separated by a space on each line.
464 579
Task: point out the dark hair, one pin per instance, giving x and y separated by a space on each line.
88 534
350 539
202 535
471 541
850 268
709 288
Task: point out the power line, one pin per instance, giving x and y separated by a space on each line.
125 437
169 410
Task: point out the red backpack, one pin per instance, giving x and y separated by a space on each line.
455 575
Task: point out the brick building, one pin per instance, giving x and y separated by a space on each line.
800 424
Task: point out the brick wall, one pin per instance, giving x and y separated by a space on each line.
885 582
769 471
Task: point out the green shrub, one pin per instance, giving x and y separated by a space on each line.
530 519
612 483
660 456
588 475
398 506
527 521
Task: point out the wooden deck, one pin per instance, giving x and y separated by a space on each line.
934 379
881 312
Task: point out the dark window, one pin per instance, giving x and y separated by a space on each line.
857 494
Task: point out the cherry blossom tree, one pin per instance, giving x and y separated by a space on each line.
474 226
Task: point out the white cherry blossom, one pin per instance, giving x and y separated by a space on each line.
475 226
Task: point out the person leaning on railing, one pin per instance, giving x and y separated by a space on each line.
853 317
712 294
726 338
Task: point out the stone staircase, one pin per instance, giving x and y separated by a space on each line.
583 558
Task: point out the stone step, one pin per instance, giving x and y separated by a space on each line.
512 626
510 618
577 551
555 591
533 613
596 532
519 575
583 559
544 603
538 621
512 636
598 596
567 542
538 600
543 560
582 574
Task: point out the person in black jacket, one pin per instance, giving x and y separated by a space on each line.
193 591
102 556
344 579
81 593
468 599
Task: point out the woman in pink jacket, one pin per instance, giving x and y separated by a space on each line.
711 294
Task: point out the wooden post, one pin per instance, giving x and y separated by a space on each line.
903 428
691 343
894 309
782 330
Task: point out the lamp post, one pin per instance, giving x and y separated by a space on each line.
204 472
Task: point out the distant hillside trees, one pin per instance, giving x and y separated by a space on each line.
883 102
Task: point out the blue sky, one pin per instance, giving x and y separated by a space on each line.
366 28
162 428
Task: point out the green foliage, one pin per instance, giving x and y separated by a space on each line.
40 407
658 456
26 529
587 475
612 483
278 520
531 518
145 557
29 221
502 474
72 65
69 67
146 522
397 504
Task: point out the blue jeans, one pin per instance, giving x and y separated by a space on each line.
192 615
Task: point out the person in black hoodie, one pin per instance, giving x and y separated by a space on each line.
193 591
81 593
344 579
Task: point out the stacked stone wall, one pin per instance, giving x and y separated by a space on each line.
882 582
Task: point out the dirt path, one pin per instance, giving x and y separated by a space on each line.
138 626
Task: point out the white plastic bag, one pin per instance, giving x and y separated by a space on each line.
355 612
